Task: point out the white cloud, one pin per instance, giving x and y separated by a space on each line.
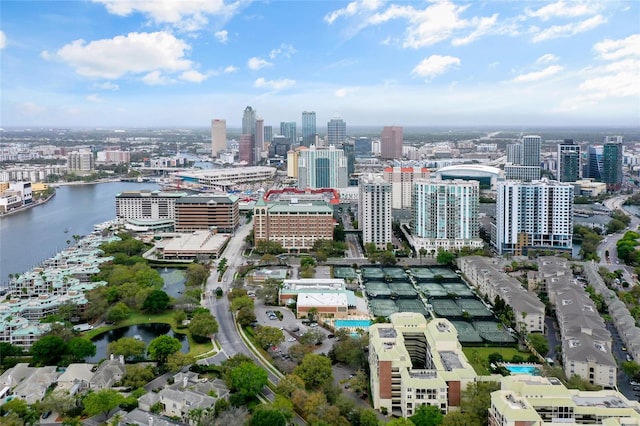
156 78
562 9
131 54
230 69
273 84
343 92
186 15
256 63
29 108
568 30
616 49
538 75
193 76
3 40
483 26
107 85
435 65
95 99
284 51
352 9
547 58
222 36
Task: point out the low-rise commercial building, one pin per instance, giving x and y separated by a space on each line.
328 297
414 362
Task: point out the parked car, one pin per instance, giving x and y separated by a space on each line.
331 336
313 324
291 339
46 414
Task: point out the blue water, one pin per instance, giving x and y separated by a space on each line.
523 369
352 323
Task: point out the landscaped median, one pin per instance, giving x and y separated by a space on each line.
195 348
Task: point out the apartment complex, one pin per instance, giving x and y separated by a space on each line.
414 362
533 215
401 180
523 159
322 168
206 212
374 210
586 341
296 225
535 401
444 215
81 162
485 274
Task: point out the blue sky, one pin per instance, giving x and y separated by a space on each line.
167 63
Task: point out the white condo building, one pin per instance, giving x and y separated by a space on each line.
322 168
444 214
533 215
401 180
375 210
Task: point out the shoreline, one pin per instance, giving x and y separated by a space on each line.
27 207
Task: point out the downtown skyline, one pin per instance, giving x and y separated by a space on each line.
124 63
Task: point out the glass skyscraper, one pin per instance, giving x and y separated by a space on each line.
308 128
336 131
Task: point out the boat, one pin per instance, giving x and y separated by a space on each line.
138 337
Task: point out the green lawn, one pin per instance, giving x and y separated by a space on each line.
163 318
479 356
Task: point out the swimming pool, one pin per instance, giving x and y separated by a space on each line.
530 370
342 323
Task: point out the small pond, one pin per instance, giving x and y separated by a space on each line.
174 280
146 332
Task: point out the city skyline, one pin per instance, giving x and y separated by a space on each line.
166 63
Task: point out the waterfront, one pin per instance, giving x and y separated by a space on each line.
31 236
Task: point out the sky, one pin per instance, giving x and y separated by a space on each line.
175 63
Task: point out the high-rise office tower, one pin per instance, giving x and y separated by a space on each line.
218 136
350 154
249 121
336 131
568 161
308 128
288 130
391 143
594 162
444 214
268 134
363 146
260 134
246 150
612 165
613 139
374 210
531 145
401 180
322 168
533 215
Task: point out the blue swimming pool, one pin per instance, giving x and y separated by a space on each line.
530 370
352 323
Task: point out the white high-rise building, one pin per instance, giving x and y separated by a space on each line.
444 214
375 210
533 215
322 168
401 180
218 136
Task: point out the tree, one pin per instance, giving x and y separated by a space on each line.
476 399
360 383
368 417
162 346
127 347
7 349
138 375
177 360
269 291
242 302
314 370
80 348
427 415
246 316
197 274
156 301
539 343
400 421
289 384
445 257
311 337
268 336
202 326
60 402
248 379
118 312
48 350
457 418
102 402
